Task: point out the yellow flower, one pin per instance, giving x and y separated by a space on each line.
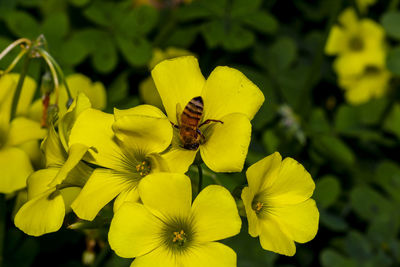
147 88
127 147
51 190
363 4
166 230
228 97
14 161
77 83
373 83
358 43
278 205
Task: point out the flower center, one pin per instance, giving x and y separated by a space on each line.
257 206
371 70
356 43
179 238
143 168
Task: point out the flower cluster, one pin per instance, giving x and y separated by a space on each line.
138 159
361 51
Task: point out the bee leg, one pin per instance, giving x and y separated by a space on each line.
202 137
175 126
208 121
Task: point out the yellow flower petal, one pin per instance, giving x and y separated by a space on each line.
210 254
134 231
254 223
228 91
23 130
348 19
102 186
69 194
264 172
272 238
336 42
130 195
35 154
292 185
144 110
143 133
160 256
300 221
53 149
80 104
93 129
15 168
179 159
215 214
350 64
226 144
38 182
166 195
178 80
41 215
75 154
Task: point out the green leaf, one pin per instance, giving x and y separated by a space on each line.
137 22
55 26
333 149
327 191
22 24
358 246
118 90
79 3
136 51
367 203
104 58
393 60
332 221
261 21
318 122
182 37
391 21
270 141
331 258
281 54
392 121
100 13
388 177
244 8
233 38
73 51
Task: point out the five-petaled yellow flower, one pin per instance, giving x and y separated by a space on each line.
15 163
127 148
52 190
358 44
230 101
278 205
166 230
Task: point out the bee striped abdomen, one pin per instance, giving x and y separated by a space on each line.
192 113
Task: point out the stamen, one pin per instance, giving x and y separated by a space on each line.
179 238
143 168
258 206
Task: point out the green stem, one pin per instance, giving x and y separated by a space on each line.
2 226
21 79
200 178
101 256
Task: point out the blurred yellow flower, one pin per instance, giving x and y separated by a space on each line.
77 83
167 230
372 83
278 205
364 4
51 190
357 44
14 161
228 97
147 89
126 146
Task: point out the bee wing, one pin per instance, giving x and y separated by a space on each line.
178 113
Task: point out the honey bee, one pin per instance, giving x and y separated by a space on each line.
189 124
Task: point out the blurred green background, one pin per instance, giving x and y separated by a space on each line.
352 152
